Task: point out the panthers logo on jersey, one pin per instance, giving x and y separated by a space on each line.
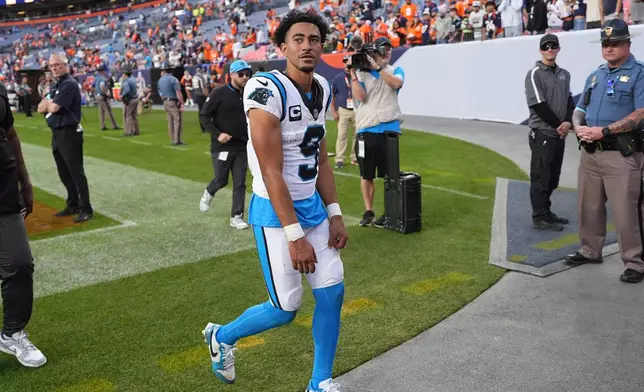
261 95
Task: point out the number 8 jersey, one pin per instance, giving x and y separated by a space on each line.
302 118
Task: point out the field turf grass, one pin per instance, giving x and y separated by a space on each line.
43 224
142 333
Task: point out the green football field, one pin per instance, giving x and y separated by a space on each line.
121 308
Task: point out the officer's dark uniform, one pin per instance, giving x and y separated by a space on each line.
223 112
611 168
67 145
16 261
550 101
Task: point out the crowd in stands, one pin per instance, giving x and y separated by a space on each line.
211 33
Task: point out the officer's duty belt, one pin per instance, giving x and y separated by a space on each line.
172 99
601 146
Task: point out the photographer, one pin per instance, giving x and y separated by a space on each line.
374 85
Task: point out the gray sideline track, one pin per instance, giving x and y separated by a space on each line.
578 330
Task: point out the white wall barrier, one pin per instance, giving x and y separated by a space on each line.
485 80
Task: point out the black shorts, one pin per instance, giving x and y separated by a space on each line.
374 155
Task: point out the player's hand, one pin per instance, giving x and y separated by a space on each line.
28 196
224 138
337 233
336 116
302 255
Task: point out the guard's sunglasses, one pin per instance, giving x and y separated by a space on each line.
549 46
244 73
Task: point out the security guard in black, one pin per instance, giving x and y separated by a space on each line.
67 145
547 88
223 117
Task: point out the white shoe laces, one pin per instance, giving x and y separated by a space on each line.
23 341
332 387
229 357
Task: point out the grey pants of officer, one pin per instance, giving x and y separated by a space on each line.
223 164
607 175
16 274
174 120
103 108
129 118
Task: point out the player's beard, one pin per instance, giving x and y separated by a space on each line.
307 68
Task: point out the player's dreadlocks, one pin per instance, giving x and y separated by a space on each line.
297 16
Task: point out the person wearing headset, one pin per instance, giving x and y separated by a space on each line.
377 112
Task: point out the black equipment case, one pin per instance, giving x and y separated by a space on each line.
403 198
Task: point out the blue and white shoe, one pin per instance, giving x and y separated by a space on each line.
325 386
222 355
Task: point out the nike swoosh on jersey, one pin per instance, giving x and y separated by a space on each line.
262 83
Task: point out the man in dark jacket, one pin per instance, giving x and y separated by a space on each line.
547 88
223 116
16 261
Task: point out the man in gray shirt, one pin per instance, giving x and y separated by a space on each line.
547 88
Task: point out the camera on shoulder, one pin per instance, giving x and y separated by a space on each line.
359 59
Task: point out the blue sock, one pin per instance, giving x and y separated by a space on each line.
326 330
254 320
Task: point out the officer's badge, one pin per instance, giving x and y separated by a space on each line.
593 81
261 95
624 78
608 31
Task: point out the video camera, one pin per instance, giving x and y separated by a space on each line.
359 59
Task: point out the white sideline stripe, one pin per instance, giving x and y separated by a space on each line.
177 148
84 233
140 142
438 188
88 135
110 215
169 231
111 138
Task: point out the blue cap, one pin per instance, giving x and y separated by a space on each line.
239 65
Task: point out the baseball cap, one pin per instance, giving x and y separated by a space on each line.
549 38
239 65
382 41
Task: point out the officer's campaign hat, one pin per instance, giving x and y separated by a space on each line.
101 67
615 30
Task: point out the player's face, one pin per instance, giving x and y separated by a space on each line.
303 46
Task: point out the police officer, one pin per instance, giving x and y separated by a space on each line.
130 99
63 112
170 91
547 89
103 96
608 122
16 261
223 116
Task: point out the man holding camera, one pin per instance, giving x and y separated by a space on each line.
374 87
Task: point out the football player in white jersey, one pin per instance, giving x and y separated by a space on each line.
294 208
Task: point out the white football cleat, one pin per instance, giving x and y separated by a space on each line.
206 199
222 356
325 386
238 223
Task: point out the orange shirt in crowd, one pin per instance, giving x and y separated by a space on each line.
409 11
